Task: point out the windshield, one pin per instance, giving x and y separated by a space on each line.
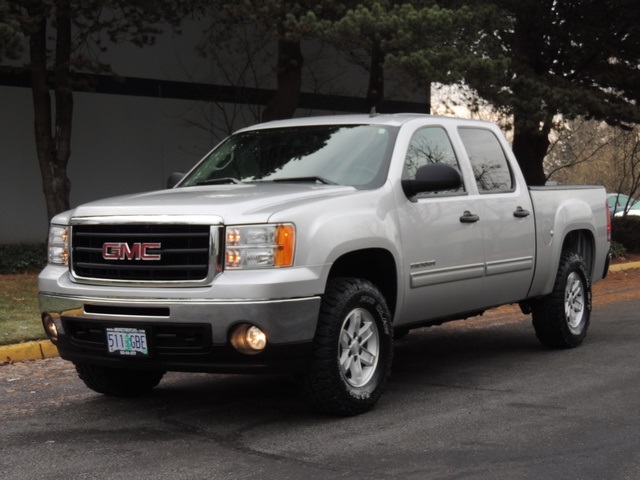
356 155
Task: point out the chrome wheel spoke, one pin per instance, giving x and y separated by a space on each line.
574 306
365 334
368 358
345 340
356 371
345 360
359 347
354 320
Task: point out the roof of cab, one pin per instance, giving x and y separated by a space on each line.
395 119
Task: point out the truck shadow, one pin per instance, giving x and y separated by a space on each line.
458 344
432 366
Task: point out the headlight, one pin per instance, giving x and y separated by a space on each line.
259 246
59 245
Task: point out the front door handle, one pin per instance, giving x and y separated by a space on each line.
521 213
468 217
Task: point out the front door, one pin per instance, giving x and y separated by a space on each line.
442 239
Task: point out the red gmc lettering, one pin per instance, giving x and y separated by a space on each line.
137 251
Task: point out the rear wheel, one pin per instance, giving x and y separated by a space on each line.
352 349
118 382
561 319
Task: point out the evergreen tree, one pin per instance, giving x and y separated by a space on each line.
10 34
570 58
534 60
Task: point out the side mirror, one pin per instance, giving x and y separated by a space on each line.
433 177
174 179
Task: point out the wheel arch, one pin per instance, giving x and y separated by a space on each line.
376 265
581 242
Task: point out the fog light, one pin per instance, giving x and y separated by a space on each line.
50 326
256 338
248 339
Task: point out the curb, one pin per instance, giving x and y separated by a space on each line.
27 351
39 350
624 266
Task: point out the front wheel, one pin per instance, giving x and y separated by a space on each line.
352 350
561 319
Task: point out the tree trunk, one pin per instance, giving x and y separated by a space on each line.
53 150
530 145
375 92
289 73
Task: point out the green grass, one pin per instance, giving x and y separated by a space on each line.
19 311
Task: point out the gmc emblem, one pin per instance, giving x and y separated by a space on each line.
137 251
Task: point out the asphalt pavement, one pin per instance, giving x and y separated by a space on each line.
476 400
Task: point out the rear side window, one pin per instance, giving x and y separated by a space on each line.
490 167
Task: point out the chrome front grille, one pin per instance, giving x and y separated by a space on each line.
143 252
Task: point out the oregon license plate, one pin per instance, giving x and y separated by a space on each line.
127 341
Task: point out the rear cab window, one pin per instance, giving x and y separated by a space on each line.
491 169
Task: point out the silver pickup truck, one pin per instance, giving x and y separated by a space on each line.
302 245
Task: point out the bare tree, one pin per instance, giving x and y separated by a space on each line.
586 151
241 57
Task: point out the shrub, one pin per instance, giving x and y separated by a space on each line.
618 251
626 230
20 258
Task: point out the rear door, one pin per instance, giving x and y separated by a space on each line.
506 218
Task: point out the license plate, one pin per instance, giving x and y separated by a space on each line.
127 341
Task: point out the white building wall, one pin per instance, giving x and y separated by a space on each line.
119 145
22 205
124 144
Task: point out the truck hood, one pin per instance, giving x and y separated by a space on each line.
245 203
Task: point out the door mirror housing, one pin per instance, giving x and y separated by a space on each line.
174 179
433 177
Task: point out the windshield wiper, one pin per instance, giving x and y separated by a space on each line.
219 181
306 179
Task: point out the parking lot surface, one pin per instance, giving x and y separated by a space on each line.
480 399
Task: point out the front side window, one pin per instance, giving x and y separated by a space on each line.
430 145
356 155
489 163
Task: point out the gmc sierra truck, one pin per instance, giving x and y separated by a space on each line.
302 245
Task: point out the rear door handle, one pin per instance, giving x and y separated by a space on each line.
468 217
521 213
